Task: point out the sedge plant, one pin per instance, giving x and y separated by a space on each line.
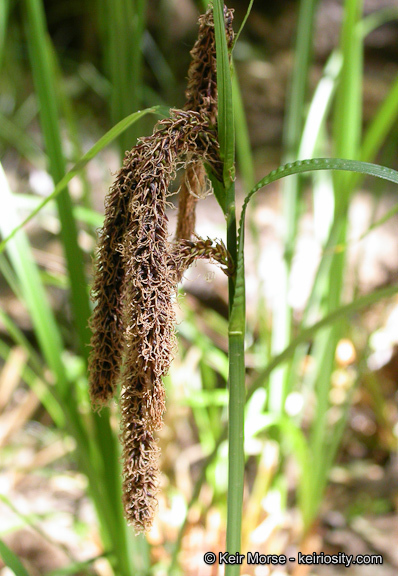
204 132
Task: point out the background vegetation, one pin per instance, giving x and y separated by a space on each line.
321 421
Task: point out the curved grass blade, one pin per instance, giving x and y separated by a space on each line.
243 23
301 166
98 146
11 560
377 19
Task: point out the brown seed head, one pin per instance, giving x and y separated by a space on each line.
138 269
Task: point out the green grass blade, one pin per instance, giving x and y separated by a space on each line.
249 8
347 135
31 287
43 75
34 378
348 110
236 457
11 560
20 339
35 299
281 311
68 114
94 150
331 446
29 202
307 334
226 136
236 331
83 567
381 124
320 106
122 23
105 449
324 353
40 387
173 570
299 447
33 521
301 166
243 148
298 90
10 276
387 216
4 12
373 139
377 19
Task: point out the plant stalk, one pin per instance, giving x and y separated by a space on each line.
236 382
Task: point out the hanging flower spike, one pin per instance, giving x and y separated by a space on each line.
106 321
138 270
148 292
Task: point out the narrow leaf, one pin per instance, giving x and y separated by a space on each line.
301 166
308 334
224 85
98 146
11 560
243 23
287 170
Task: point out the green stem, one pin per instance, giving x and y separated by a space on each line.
236 330
237 392
236 458
306 335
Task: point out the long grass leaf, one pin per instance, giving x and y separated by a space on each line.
308 334
11 560
4 13
31 287
348 110
236 375
243 148
94 150
226 135
301 166
122 24
281 310
381 124
249 8
43 75
347 135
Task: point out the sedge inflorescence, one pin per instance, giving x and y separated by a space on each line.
139 267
